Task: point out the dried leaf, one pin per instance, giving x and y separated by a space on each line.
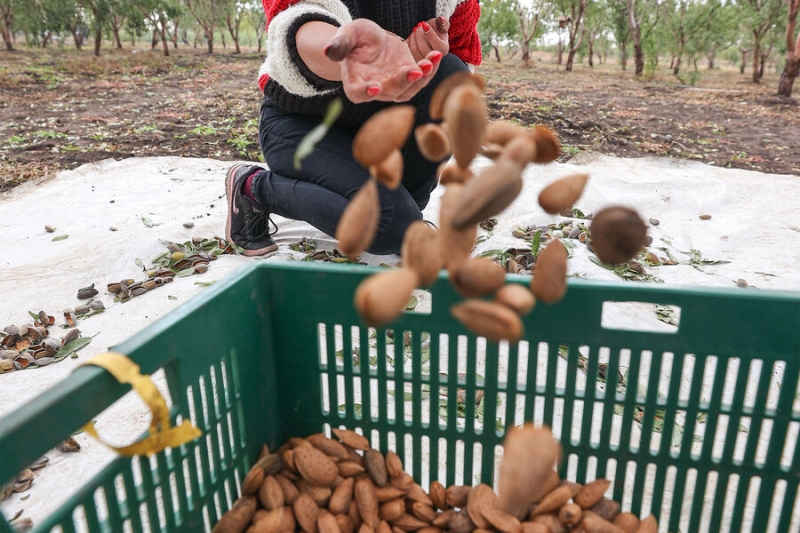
59 238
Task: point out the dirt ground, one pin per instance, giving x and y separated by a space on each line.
61 109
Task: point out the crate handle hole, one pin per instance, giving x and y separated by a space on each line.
641 316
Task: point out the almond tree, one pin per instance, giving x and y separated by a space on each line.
574 10
643 16
530 18
792 68
7 23
208 14
759 18
498 24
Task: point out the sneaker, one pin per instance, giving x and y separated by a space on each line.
248 222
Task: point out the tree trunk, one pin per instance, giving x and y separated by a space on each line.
496 52
154 40
117 40
98 39
164 40
570 59
8 21
744 61
210 39
7 39
792 68
175 35
623 55
756 58
560 52
761 67
677 67
591 52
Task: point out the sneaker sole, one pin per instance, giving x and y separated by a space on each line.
229 196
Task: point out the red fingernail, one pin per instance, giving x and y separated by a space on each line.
414 76
426 68
436 57
373 91
425 26
418 26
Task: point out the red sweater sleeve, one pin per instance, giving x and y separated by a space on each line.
273 7
464 40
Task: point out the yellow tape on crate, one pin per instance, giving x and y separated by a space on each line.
162 435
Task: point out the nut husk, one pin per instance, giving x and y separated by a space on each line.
502 131
359 223
442 92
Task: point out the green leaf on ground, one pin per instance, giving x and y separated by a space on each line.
59 238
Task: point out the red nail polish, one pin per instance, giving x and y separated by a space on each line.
426 68
373 91
425 26
414 76
436 57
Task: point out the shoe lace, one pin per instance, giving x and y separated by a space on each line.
255 227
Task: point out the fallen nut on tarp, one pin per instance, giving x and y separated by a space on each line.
162 435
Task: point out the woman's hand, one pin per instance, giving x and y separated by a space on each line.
430 36
376 65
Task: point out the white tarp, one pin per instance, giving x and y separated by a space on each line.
754 225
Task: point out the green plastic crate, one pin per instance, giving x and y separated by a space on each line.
269 341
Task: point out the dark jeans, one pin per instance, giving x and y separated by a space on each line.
319 192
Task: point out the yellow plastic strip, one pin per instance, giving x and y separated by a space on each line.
162 435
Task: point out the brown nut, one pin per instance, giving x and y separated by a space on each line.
480 498
488 193
591 493
478 276
494 321
548 147
438 495
457 495
315 467
238 517
570 514
449 172
516 297
553 501
329 447
389 171
456 243
606 509
549 283
376 467
359 223
502 131
648 525
618 234
422 251
366 501
381 297
385 131
627 522
394 465
351 438
442 91
562 193
465 115
306 513
432 141
270 494
521 150
392 510
594 524
342 497
503 522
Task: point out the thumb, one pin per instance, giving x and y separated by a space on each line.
442 24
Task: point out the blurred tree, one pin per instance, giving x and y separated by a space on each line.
7 23
758 18
530 17
498 24
792 68
209 14
572 14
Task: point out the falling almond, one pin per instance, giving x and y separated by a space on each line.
494 321
548 147
432 141
422 252
442 91
465 114
518 298
383 296
449 172
359 222
502 131
456 244
390 170
489 193
521 150
385 131
550 274
563 193
478 276
618 234
529 456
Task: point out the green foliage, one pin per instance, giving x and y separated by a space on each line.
498 25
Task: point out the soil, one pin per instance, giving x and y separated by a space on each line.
62 108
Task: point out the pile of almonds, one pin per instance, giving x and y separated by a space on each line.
342 485
31 344
618 233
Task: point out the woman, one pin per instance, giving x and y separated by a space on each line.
318 50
